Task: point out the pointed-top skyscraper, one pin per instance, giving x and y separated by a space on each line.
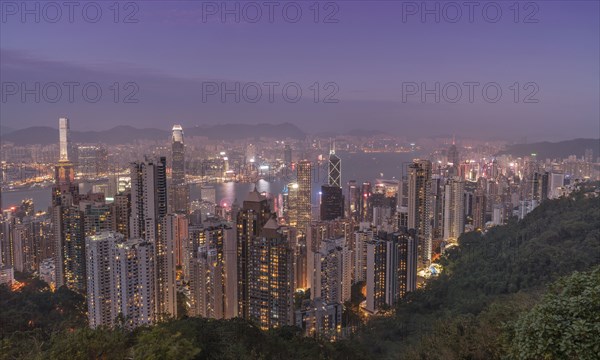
64 175
335 168
68 220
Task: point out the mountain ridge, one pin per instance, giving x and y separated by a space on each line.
45 135
559 149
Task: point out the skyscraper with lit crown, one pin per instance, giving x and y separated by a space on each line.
65 190
334 177
179 191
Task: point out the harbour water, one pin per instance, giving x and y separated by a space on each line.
355 166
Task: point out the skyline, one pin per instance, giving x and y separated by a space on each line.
372 54
304 179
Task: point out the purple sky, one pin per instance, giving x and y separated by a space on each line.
368 53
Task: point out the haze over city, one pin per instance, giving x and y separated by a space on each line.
369 50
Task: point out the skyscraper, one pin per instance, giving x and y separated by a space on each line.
419 203
120 279
205 284
179 197
271 277
101 278
213 272
454 209
178 153
290 204
375 274
98 217
366 208
149 222
70 254
148 198
251 218
333 272
134 271
64 175
353 211
122 212
179 234
332 202
67 219
171 229
334 177
361 238
437 207
479 209
453 159
304 204
391 268
401 265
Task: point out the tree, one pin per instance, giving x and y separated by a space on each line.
85 343
160 344
565 324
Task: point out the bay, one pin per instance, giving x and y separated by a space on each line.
355 166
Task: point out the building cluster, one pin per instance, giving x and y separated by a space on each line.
138 247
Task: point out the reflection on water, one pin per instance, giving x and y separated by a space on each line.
229 192
359 166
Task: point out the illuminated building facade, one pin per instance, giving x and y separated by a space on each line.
179 191
101 278
134 282
376 275
148 198
333 272
419 205
213 271
353 208
334 175
304 197
454 209
366 209
361 238
271 277
479 209
122 212
391 268
319 319
171 230
251 219
70 253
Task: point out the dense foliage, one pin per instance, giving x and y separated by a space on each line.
494 300
565 324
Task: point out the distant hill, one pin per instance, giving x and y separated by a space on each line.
562 149
45 135
5 130
241 131
364 132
